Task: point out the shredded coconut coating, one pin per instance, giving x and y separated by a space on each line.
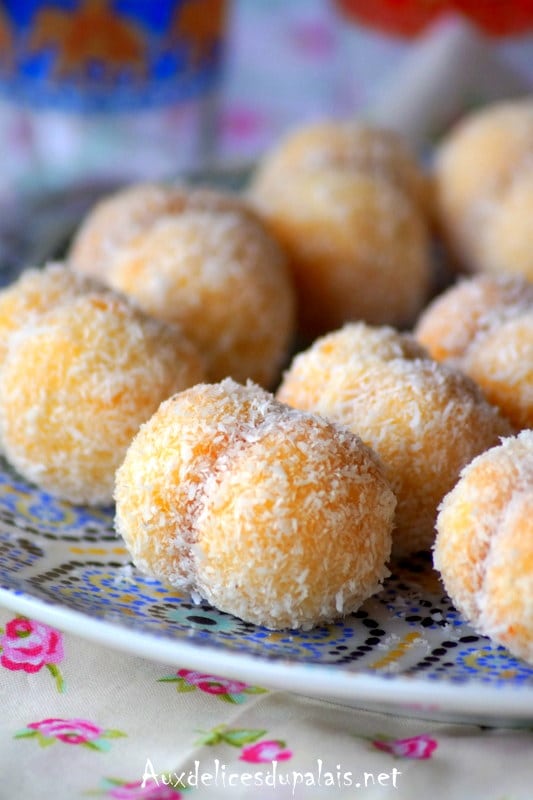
507 243
271 514
223 279
474 167
34 292
501 362
453 320
324 363
352 146
121 216
425 420
76 384
358 246
484 544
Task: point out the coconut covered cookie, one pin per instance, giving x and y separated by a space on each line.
119 217
346 201
483 174
270 514
223 280
454 319
76 384
484 544
351 146
484 326
202 260
501 362
34 292
425 420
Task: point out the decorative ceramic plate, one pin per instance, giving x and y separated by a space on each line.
406 651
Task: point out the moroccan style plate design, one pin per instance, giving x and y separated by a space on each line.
406 650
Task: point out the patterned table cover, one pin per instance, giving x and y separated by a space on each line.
79 721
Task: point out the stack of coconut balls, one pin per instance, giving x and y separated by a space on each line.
143 370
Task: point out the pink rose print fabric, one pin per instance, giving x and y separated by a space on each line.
416 747
254 749
265 752
29 646
210 683
230 691
70 731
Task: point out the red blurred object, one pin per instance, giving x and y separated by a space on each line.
409 17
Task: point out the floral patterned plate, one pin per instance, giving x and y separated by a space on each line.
406 650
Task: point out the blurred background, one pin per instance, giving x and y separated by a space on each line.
99 92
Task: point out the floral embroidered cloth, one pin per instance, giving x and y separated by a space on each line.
82 721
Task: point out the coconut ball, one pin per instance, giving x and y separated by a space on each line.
452 321
119 217
34 292
474 169
351 146
501 362
484 544
220 276
507 243
348 213
270 514
425 420
76 384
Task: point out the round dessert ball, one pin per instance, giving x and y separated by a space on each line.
34 292
218 274
348 145
484 544
501 362
474 167
270 514
507 243
76 384
425 420
114 220
452 321
357 247
330 361
356 238
121 216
